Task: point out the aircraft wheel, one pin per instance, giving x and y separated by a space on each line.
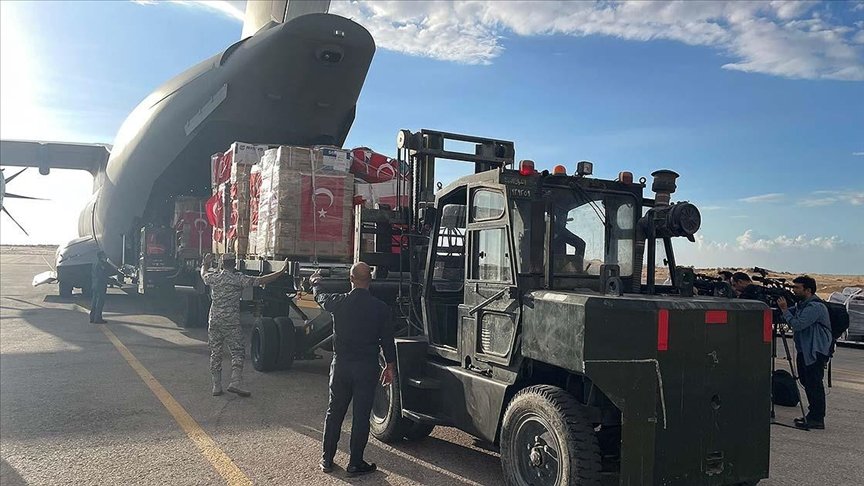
65 289
265 345
546 439
287 343
196 310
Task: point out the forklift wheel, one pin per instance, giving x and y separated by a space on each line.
418 431
265 345
287 340
546 438
386 421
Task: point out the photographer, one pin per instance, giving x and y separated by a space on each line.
812 334
744 287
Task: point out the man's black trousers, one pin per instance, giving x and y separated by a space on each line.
97 302
811 377
350 379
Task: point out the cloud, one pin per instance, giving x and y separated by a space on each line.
858 154
795 40
233 9
764 198
801 253
749 242
788 39
828 198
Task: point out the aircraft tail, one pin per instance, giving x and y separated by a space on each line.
261 14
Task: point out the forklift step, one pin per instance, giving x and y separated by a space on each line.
422 418
424 383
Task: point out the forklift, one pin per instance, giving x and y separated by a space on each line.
526 322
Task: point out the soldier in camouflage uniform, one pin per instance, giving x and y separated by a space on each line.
226 285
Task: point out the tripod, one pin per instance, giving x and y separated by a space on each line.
779 332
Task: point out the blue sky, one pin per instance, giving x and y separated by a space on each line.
759 107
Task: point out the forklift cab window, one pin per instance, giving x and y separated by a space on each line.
490 258
487 205
449 263
587 234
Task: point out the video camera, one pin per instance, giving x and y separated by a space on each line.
771 290
712 285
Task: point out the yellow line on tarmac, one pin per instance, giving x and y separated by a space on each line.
220 461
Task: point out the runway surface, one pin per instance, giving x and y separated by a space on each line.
129 403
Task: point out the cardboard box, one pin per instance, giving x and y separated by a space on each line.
304 210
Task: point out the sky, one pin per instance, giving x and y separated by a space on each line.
759 106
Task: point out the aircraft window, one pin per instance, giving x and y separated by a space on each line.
487 205
490 256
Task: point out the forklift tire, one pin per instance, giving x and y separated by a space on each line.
418 431
287 343
548 411
265 344
65 289
386 422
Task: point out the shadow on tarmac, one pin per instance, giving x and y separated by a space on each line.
302 413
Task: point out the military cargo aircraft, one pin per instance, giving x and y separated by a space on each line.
293 79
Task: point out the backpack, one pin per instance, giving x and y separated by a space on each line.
784 390
839 317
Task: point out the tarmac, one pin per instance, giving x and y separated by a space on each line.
129 403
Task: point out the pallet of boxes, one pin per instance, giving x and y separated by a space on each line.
305 205
234 167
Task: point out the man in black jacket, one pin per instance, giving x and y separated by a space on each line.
361 326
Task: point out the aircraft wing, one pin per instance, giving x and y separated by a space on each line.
54 155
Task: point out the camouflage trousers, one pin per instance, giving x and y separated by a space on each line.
231 335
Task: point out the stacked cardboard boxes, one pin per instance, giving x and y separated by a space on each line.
234 166
306 203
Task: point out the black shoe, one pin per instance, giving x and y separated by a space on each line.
326 465
100 321
362 468
805 423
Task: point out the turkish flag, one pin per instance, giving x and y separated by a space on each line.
322 221
213 208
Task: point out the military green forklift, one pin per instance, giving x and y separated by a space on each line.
528 324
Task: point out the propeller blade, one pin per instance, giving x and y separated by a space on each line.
16 196
16 222
16 175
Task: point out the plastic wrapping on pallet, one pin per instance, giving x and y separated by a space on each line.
305 209
372 167
389 193
254 197
239 153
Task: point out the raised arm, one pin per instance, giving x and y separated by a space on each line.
329 302
272 277
205 266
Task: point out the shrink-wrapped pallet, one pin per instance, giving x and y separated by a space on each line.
254 198
305 212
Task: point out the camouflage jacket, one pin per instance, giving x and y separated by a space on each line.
226 287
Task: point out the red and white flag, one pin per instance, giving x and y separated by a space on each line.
322 220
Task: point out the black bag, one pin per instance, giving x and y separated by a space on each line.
784 390
839 317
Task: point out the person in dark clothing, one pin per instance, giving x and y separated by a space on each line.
361 327
99 287
811 326
744 287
